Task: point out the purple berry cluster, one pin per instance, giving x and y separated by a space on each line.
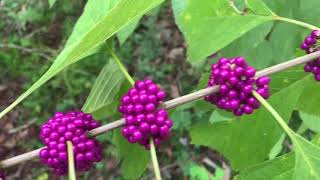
310 45
71 126
236 80
143 119
2 176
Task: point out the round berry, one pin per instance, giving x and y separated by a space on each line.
143 119
71 126
236 81
310 45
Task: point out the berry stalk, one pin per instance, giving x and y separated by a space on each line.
292 135
72 173
299 23
274 113
154 160
121 66
168 105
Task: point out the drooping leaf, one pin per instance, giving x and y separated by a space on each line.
313 13
259 7
181 119
219 115
93 12
310 100
209 26
246 141
311 121
105 88
280 168
285 39
51 3
276 149
285 78
125 32
119 16
135 157
255 39
307 157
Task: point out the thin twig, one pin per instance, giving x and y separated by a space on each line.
168 105
25 126
27 50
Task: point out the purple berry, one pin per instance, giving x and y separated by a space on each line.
264 80
236 81
310 45
304 46
139 108
68 126
154 129
310 40
315 34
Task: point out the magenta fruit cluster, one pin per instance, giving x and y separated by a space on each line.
144 120
310 45
2 176
236 80
71 126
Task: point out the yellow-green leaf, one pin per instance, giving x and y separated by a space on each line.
119 16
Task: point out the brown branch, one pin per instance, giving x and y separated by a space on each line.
168 105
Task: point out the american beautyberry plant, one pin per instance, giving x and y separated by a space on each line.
250 42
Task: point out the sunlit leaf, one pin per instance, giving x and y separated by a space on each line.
85 44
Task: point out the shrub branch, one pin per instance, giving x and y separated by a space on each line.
168 105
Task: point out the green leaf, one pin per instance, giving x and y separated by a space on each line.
219 115
43 176
83 45
181 119
254 39
307 157
311 121
280 168
308 6
218 174
105 88
286 78
51 3
276 149
198 172
94 11
285 39
134 157
310 100
307 154
209 25
259 7
125 32
248 140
